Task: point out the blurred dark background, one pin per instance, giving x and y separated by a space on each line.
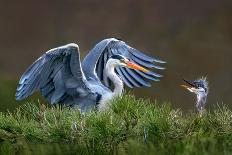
193 36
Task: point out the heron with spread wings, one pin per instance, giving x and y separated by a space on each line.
62 78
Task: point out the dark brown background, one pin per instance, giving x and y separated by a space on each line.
193 36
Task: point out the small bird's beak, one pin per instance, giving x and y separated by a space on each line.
185 86
189 86
135 66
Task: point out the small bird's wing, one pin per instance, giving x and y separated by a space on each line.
58 76
94 63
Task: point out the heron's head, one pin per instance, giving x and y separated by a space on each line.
119 60
199 87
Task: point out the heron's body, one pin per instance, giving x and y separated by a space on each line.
62 78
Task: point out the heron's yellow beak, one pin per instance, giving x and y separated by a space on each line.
135 66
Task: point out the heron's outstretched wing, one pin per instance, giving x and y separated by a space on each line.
94 63
58 76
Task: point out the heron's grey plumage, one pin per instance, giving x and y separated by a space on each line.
60 76
94 63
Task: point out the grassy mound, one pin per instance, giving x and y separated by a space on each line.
128 126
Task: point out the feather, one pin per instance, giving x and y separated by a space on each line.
118 71
145 57
146 76
129 78
138 78
146 64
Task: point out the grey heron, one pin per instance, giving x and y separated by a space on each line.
62 78
200 88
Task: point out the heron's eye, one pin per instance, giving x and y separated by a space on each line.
122 60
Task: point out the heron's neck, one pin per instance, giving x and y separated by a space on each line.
118 84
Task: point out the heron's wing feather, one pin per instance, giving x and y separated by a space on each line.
94 63
57 74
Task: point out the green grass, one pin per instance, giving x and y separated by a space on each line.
8 87
129 126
